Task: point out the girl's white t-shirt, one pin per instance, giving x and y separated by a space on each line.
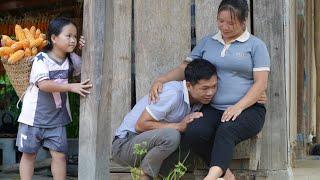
43 109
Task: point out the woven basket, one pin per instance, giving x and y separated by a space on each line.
19 74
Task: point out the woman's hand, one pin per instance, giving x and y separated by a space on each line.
231 113
81 42
156 88
263 98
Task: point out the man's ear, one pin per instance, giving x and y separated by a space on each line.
189 85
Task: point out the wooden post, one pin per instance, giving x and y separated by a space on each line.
317 59
269 24
95 111
162 39
292 84
121 62
309 72
301 51
107 62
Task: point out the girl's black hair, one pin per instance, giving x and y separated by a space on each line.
237 8
55 27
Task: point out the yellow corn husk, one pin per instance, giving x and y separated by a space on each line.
19 33
15 57
36 43
6 41
44 43
27 52
43 36
34 51
5 51
38 32
17 46
28 34
33 31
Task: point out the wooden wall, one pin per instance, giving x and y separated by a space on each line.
162 39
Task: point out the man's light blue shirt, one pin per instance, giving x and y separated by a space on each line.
172 107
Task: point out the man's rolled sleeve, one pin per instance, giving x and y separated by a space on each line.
166 103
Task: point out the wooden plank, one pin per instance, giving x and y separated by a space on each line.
308 63
292 84
206 17
274 141
255 152
307 77
121 81
162 39
95 111
317 59
242 150
118 172
301 51
127 176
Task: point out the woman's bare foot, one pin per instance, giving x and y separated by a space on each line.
214 173
144 176
229 175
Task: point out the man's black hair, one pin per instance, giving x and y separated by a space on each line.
199 69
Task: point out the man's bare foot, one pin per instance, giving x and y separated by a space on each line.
229 175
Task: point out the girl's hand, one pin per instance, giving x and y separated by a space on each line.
81 42
81 88
156 88
231 113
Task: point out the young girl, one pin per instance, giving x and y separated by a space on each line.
45 111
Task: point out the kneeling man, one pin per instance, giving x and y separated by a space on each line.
160 124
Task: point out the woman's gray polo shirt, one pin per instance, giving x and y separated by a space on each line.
235 63
172 107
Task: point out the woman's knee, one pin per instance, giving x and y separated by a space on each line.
192 134
227 132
